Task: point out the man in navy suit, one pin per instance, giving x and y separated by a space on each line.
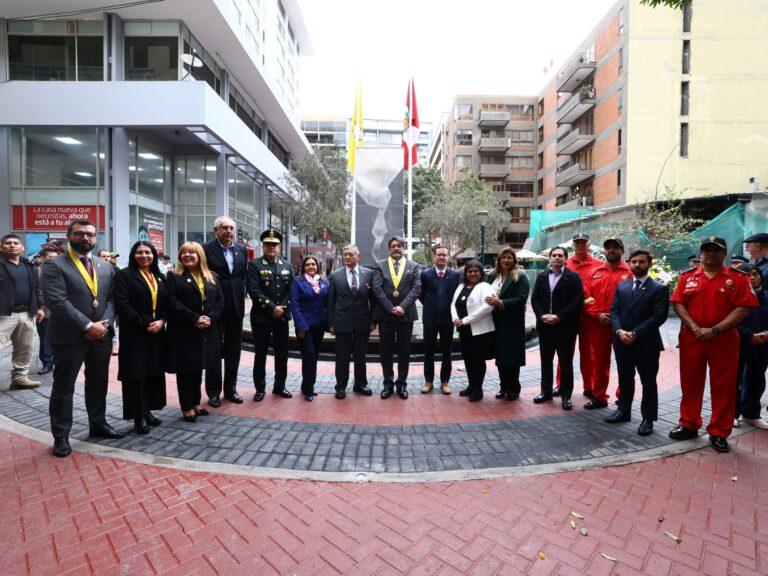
437 287
640 306
228 260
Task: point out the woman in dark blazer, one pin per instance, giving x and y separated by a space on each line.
140 304
557 299
195 304
309 293
510 296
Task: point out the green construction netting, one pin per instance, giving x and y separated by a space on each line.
540 219
733 224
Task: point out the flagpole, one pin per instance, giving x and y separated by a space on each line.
410 206
354 207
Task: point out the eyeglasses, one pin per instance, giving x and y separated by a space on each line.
81 234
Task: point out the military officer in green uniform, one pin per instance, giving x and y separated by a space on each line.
268 280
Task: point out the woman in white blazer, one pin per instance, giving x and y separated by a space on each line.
472 317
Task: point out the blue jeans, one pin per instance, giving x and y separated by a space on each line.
46 350
310 351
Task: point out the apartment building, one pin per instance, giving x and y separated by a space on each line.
653 97
150 119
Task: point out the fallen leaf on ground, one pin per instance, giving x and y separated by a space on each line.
611 558
542 556
672 536
484 490
577 515
584 531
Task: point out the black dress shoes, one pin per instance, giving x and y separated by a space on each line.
364 390
617 417
282 393
465 392
202 412
475 398
190 417
152 420
258 397
541 398
105 431
387 392
500 394
556 392
683 433
402 392
719 443
595 404
340 394
45 370
235 398
214 402
567 404
61 447
308 397
140 426
645 428
587 394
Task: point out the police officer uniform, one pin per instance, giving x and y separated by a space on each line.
762 264
709 300
269 285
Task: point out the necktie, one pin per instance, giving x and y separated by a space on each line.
397 266
637 285
441 273
354 282
87 263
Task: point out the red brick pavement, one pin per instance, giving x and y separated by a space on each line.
98 515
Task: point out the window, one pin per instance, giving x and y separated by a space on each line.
685 88
519 214
277 149
684 140
61 157
618 179
541 107
463 112
687 16
618 142
522 110
42 57
619 101
244 111
541 134
621 60
686 56
152 58
522 136
522 162
463 160
464 137
519 189
621 21
541 161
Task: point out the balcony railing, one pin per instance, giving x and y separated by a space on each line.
491 170
573 141
571 109
493 144
576 72
573 173
493 118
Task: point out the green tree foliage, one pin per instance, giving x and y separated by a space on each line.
451 215
427 183
320 183
677 4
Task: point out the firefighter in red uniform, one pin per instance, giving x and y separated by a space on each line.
582 262
711 301
599 289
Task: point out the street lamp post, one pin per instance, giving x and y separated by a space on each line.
482 214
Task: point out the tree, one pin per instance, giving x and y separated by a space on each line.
676 4
427 183
452 215
320 184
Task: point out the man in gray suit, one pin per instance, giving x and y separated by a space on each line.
350 317
77 288
396 285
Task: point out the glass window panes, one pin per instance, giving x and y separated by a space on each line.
37 27
61 157
41 57
90 27
151 58
90 58
152 173
15 157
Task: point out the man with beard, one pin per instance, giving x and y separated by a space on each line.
396 285
77 289
599 290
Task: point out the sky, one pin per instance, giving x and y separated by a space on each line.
450 47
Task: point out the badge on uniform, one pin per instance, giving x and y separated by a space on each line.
597 276
284 272
729 282
624 277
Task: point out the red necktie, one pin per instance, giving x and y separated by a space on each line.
87 263
441 273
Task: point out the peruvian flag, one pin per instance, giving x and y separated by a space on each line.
410 128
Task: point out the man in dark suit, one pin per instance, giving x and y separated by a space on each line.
77 289
46 351
350 317
228 260
396 285
640 306
268 281
556 300
437 287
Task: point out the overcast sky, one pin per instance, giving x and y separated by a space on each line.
449 46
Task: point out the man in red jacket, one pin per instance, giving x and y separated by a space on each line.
582 262
599 289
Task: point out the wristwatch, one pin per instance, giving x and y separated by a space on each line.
715 330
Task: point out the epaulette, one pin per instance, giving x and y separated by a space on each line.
684 272
737 270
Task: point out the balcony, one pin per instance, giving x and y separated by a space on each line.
494 170
488 144
573 108
574 141
493 119
573 173
576 72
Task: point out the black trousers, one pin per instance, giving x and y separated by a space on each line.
474 350
631 359
310 351
69 359
753 361
230 332
445 331
351 345
509 379
46 350
395 337
188 387
563 345
277 331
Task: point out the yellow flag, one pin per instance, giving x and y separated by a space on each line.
355 130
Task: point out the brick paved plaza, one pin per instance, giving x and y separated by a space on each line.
432 485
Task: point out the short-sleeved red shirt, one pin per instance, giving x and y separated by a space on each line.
600 286
710 300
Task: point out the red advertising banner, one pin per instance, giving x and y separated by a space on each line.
55 217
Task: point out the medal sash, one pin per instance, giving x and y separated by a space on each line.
200 285
92 282
396 278
152 283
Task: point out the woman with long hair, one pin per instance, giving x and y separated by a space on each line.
309 292
472 317
195 304
510 295
140 304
